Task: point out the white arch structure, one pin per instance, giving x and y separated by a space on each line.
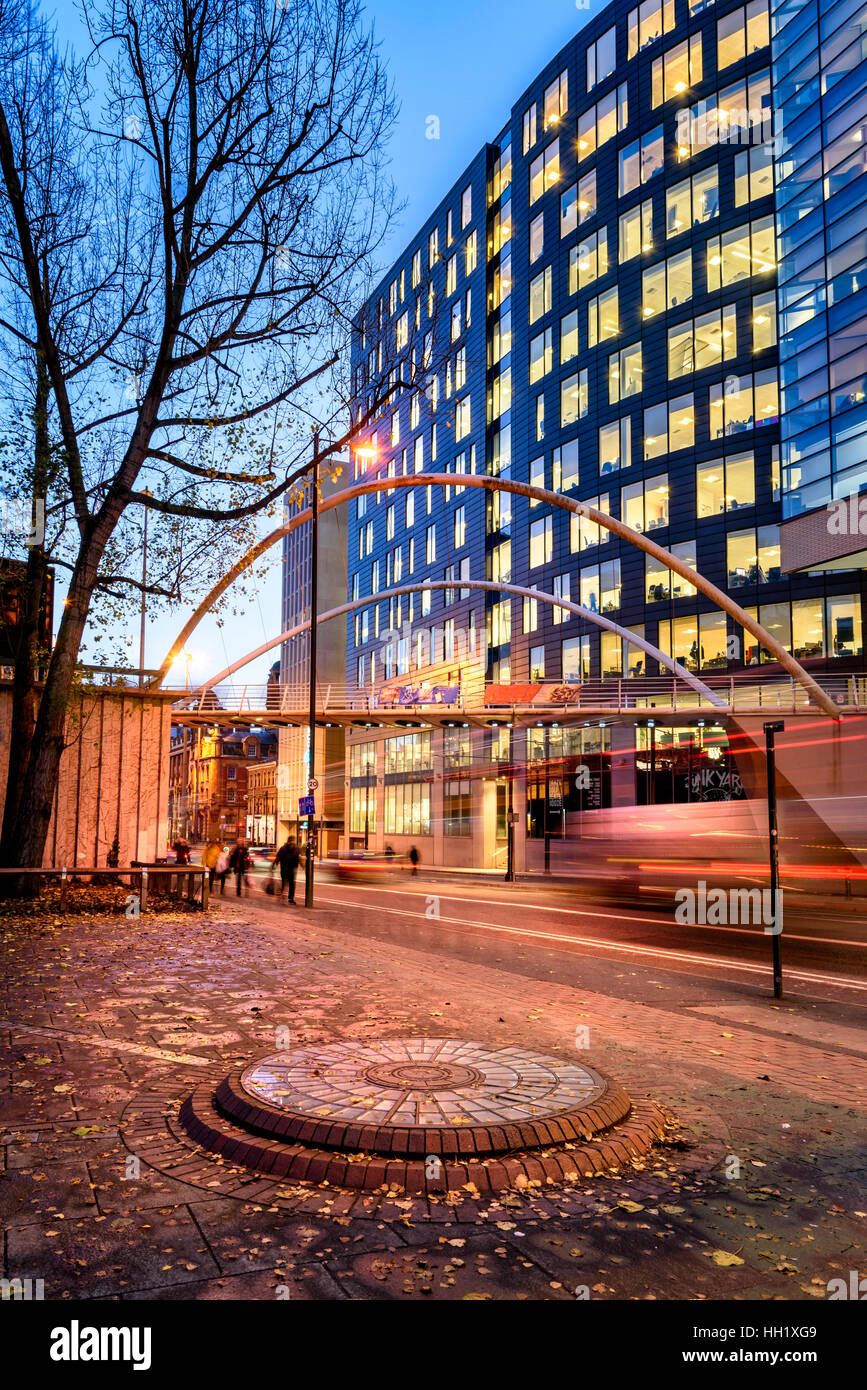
537 494
488 585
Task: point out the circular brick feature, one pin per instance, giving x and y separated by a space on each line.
417 1096
422 1076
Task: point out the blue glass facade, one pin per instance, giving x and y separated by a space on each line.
820 99
621 346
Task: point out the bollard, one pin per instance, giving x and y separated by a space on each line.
143 896
63 889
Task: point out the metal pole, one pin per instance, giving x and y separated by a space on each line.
314 582
510 812
773 845
547 840
144 570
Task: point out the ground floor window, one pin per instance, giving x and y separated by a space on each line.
457 808
362 810
407 808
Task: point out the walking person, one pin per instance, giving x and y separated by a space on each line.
239 863
222 867
210 855
288 859
414 857
182 851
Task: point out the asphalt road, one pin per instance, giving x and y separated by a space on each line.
529 925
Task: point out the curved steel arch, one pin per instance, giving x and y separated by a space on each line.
538 494
487 585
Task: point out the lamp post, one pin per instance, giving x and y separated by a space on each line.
510 816
144 571
314 582
773 846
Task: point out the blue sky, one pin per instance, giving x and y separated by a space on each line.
465 62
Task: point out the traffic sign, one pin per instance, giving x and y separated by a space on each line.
312 784
305 806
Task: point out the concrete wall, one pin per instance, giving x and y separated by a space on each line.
113 777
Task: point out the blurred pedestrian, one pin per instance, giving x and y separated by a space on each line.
182 850
414 857
239 864
222 867
288 859
210 855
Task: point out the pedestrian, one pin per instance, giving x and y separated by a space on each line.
210 855
239 863
288 858
182 851
222 867
414 857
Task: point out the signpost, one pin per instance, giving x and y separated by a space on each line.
306 806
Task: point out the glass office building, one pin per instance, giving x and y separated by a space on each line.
592 308
820 100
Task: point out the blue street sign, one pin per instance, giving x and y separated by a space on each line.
305 806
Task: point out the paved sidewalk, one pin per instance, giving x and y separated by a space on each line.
107 1025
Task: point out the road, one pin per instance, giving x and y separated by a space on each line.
529 925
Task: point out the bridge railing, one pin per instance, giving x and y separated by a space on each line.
744 691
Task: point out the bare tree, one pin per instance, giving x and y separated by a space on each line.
188 217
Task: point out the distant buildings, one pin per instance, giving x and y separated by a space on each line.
222 784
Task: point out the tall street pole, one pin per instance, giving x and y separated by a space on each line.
144 572
314 582
774 849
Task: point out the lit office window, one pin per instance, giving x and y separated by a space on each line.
635 231
575 658
754 174
702 342
466 206
573 398
607 118
624 373
541 542
544 171
537 237
584 534
540 295
742 32
753 556
725 485
615 445
556 100
537 663
648 22
666 284
764 321
603 317
578 203
640 161
669 426
588 260
691 202
742 403
528 128
676 70
740 253
541 355
569 337
601 57
471 253
565 469
561 588
644 505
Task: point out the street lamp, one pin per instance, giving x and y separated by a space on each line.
773 846
311 752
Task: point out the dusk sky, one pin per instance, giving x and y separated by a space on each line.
465 64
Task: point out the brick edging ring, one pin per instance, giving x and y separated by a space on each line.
205 1124
581 1122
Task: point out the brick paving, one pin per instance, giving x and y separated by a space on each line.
107 1027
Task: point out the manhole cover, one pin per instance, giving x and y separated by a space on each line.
420 1082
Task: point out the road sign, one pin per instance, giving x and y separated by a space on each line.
312 784
305 806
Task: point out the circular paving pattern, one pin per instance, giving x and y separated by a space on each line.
435 1115
420 1082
